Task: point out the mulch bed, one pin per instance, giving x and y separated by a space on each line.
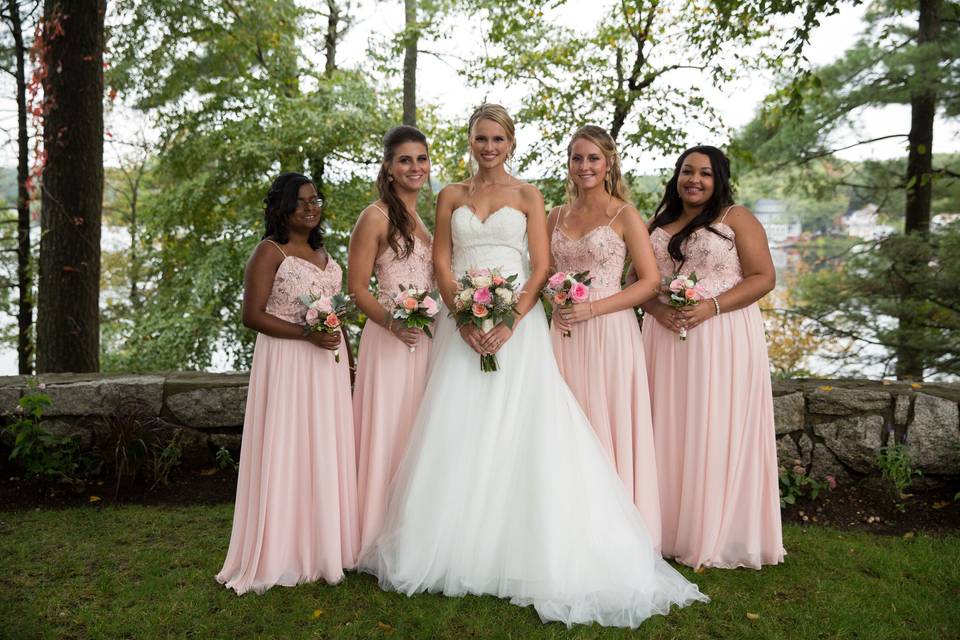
865 506
869 506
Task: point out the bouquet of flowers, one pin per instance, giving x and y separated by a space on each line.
565 289
326 313
485 298
683 291
415 308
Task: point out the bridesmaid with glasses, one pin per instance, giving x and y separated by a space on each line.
295 518
602 357
391 242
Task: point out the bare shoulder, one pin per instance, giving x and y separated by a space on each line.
554 215
453 192
266 255
530 196
738 214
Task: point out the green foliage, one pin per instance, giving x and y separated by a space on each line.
893 461
225 460
795 482
868 288
41 454
237 103
134 444
164 458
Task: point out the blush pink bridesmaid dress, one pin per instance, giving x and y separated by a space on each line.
388 387
295 518
602 362
713 420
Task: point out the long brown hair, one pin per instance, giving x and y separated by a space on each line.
400 235
613 180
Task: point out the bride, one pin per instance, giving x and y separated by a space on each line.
504 488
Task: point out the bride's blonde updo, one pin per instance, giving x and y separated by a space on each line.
495 113
613 180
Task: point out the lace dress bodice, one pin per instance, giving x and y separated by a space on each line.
714 259
296 277
392 272
601 251
500 241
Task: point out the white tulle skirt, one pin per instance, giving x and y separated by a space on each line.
505 490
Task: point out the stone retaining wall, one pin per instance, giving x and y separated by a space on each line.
833 427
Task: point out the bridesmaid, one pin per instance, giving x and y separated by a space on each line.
296 514
391 242
711 395
602 359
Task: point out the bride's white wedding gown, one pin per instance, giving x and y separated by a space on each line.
504 488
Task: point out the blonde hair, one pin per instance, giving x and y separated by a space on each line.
495 113
613 180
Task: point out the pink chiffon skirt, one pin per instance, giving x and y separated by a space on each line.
387 392
602 362
715 441
296 512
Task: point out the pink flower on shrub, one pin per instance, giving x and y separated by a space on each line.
831 482
579 292
556 279
482 296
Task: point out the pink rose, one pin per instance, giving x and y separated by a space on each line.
332 321
323 305
482 296
560 298
312 316
556 279
497 281
579 292
677 285
691 294
430 306
410 304
480 311
476 273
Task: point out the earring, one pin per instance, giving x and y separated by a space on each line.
389 178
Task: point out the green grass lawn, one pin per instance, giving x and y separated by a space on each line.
147 572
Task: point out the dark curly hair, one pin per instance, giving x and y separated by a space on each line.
671 206
401 226
279 205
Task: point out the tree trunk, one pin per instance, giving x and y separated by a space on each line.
333 36
68 315
919 179
411 37
25 309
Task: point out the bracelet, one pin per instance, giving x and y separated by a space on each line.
716 305
592 315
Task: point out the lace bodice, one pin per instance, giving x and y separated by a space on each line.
499 241
415 269
295 277
601 251
714 259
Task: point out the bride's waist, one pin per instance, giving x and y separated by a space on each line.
506 263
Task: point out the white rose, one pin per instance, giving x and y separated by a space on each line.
482 281
467 295
689 283
504 294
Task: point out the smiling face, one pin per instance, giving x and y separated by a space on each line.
587 164
695 180
410 166
489 143
309 210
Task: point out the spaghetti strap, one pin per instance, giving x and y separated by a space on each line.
382 212
724 216
279 248
617 214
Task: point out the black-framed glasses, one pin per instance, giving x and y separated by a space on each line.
312 202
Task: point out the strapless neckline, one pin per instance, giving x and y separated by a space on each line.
473 214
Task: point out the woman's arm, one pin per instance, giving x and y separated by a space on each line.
443 245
